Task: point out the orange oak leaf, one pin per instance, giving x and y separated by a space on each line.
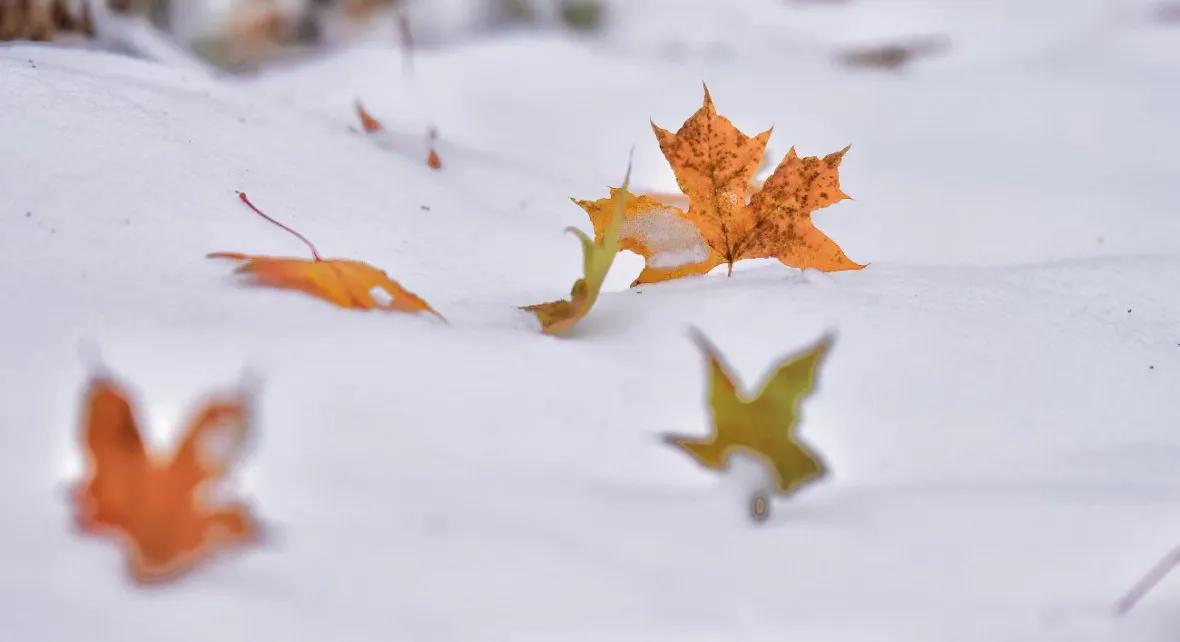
161 506
344 282
714 164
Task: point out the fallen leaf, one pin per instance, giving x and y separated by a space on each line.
557 317
762 425
347 283
432 159
373 126
161 507
344 282
368 123
714 165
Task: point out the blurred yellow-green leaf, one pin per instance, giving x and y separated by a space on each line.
763 425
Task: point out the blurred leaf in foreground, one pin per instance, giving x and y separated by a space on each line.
163 508
763 425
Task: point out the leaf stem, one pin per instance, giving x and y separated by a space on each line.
759 506
315 254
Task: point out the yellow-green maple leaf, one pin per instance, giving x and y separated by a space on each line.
763 425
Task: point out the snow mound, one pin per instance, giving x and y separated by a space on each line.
1001 428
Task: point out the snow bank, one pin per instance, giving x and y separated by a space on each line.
999 410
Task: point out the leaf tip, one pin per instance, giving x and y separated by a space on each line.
659 131
630 163
703 342
708 102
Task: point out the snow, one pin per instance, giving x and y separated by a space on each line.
671 240
999 411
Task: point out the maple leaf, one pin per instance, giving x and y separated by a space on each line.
714 164
557 317
344 282
762 425
161 506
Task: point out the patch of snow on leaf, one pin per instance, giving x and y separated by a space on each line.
672 240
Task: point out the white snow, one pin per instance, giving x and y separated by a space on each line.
671 240
999 411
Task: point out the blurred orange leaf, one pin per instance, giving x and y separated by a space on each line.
344 282
432 159
368 123
714 163
161 507
373 126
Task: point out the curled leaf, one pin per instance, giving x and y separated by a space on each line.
346 283
557 317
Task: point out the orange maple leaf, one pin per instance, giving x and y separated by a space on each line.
160 506
344 282
714 163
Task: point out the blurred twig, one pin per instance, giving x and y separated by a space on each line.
1148 582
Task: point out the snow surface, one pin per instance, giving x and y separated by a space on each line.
999 411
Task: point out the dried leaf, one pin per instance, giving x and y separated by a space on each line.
347 283
162 507
344 282
432 159
373 126
557 317
763 425
671 244
714 164
368 123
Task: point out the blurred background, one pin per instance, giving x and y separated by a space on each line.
1002 108
886 34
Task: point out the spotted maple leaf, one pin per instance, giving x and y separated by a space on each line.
714 164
